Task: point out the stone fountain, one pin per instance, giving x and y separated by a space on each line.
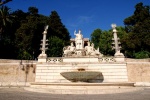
80 75
82 69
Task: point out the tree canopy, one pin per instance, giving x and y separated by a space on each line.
58 35
24 37
2 2
21 32
137 27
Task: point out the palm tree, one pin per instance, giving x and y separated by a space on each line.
4 2
5 18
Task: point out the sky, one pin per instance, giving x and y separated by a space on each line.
86 15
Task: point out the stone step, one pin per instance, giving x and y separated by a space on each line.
85 84
82 88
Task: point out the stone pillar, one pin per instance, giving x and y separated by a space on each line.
43 56
119 57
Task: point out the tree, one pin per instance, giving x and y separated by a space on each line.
57 31
6 34
56 28
33 10
29 34
137 26
106 42
5 18
95 37
55 47
4 2
103 40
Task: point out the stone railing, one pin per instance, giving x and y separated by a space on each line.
60 59
54 59
107 59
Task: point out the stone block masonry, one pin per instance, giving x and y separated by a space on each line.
14 74
111 72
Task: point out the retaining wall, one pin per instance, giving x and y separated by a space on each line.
14 74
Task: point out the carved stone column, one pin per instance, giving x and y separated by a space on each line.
43 56
118 55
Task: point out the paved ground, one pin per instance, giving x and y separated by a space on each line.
21 94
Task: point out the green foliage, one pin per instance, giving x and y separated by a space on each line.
5 19
58 35
2 2
142 54
55 47
22 33
95 37
6 34
33 10
103 40
56 28
105 43
23 36
29 34
137 27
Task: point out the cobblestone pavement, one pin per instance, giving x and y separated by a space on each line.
21 94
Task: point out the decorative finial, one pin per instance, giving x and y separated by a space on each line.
46 27
113 26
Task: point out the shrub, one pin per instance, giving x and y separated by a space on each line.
142 54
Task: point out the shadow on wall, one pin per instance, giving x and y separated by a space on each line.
26 67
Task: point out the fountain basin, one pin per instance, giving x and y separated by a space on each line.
80 76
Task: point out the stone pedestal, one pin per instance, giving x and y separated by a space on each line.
42 58
119 57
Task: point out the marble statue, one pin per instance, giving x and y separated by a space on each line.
90 50
79 40
69 50
79 36
80 49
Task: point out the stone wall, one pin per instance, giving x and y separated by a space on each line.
12 73
138 70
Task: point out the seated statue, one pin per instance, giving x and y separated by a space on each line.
90 50
69 50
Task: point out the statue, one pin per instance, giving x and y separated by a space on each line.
79 36
79 40
69 50
79 50
90 50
